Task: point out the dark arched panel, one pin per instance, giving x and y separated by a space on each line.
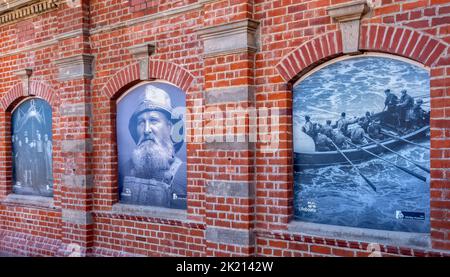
31 135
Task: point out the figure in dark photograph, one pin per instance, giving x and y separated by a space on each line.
48 161
19 160
27 162
39 162
153 175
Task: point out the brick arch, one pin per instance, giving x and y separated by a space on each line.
37 88
157 69
311 52
7 103
125 76
172 73
114 87
401 41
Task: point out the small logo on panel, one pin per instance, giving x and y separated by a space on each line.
409 215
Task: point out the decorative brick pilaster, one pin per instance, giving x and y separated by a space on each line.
75 71
229 52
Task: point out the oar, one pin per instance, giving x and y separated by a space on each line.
398 154
405 140
397 166
354 167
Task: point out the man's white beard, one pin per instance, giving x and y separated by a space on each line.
152 158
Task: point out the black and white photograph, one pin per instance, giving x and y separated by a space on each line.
151 146
362 145
32 148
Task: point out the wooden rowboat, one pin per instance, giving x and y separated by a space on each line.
329 158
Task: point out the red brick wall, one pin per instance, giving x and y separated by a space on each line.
293 36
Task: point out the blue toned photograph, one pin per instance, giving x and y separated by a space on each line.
32 148
362 145
151 146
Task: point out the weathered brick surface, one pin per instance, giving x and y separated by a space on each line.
292 38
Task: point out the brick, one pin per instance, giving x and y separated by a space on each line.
379 39
342 252
418 24
401 17
412 44
419 47
414 5
387 9
440 21
320 249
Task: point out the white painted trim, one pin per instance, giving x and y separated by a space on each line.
366 54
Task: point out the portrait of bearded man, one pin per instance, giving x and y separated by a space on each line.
154 175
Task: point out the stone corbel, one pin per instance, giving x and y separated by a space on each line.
142 53
230 38
349 17
24 76
75 67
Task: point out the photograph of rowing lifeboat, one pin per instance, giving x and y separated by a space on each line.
362 144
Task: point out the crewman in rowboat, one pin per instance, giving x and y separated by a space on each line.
374 130
391 104
339 139
417 115
406 103
357 134
366 120
308 127
327 130
391 101
323 143
343 122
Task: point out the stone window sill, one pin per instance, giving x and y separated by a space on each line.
29 201
392 238
149 211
